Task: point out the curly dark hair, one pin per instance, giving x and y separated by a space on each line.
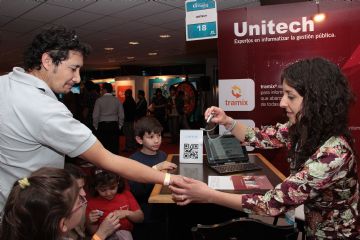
326 99
57 41
103 178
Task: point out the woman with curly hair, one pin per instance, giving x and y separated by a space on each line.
323 168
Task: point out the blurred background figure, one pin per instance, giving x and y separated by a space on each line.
159 104
141 105
108 119
130 112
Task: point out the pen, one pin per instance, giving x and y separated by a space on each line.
210 117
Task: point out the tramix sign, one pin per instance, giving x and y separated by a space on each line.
201 19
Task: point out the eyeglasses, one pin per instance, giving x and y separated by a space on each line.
82 203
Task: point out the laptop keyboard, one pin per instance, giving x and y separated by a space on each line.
238 167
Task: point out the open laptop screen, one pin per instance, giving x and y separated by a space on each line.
224 149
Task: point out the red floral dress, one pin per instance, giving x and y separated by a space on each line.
327 185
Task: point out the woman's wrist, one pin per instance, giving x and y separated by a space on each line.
98 236
167 179
228 123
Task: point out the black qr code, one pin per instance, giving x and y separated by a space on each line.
191 151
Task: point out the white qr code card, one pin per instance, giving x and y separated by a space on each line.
191 146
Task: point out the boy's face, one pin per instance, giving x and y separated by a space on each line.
150 142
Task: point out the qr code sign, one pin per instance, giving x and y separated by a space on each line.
191 151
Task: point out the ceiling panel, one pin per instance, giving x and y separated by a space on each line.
111 7
14 8
22 25
101 24
77 19
71 4
164 17
47 13
144 10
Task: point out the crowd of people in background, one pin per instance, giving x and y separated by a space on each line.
99 109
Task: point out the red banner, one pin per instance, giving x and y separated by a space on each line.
257 43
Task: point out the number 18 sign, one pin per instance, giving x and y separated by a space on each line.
201 19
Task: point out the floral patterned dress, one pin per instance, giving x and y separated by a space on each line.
327 185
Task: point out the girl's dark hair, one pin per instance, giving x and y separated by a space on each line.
147 125
105 178
326 99
35 211
57 42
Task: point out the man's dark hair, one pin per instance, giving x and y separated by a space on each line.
128 92
57 42
147 125
108 87
141 92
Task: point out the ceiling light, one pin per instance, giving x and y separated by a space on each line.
164 36
152 53
130 58
133 43
108 48
319 16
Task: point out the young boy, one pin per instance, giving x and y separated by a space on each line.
148 134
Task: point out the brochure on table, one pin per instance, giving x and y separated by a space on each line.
238 182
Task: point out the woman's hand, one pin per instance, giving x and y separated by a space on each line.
108 226
219 116
187 190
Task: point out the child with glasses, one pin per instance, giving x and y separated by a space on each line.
111 197
45 205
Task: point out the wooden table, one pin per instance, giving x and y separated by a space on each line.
162 194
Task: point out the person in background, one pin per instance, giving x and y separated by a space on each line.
148 135
159 105
141 105
173 115
180 107
37 130
130 112
88 97
44 205
106 228
111 197
323 163
108 119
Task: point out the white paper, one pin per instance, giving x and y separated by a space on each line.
220 182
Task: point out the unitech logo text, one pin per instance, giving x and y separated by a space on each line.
306 25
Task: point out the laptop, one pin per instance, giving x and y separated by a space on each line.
226 155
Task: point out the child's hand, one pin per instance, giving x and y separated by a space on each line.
94 215
165 165
121 213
